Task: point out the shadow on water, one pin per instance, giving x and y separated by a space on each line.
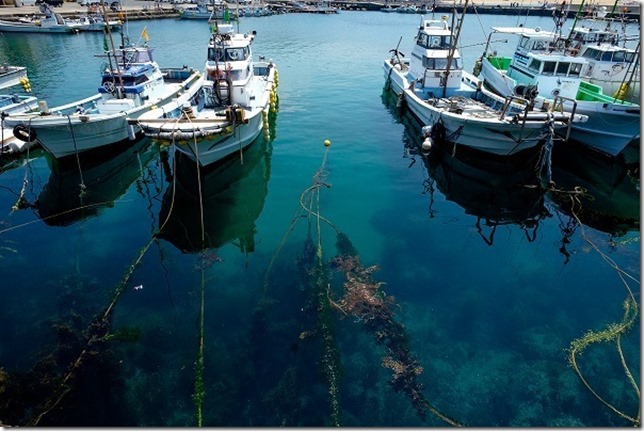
233 198
610 199
79 189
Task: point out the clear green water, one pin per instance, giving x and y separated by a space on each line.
489 281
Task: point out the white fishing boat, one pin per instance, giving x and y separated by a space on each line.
48 22
615 68
203 11
442 95
231 109
12 75
94 22
539 63
131 83
14 102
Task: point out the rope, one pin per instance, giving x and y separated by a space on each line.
80 171
613 331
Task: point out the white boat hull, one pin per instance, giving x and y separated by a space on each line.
484 134
217 147
11 75
65 132
609 129
19 27
206 135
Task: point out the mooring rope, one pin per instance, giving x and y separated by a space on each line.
613 331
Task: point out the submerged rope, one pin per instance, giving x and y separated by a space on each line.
614 331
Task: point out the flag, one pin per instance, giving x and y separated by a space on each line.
144 34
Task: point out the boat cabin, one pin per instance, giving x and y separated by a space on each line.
557 74
430 57
587 35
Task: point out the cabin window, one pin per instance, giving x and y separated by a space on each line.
236 54
575 69
629 57
562 68
618 56
524 42
215 54
590 53
441 42
441 63
535 65
422 40
607 56
539 46
549 67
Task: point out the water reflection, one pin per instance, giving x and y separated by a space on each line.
78 189
610 199
496 190
233 197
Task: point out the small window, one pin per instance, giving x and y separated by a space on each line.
535 65
618 56
562 68
549 67
539 46
575 69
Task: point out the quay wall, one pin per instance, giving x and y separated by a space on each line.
147 9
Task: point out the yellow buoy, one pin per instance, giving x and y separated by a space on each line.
327 143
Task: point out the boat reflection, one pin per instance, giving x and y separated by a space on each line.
496 190
611 189
233 198
79 189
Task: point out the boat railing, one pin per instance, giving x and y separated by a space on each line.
558 105
509 100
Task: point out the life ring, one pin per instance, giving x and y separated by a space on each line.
109 87
233 54
24 133
223 89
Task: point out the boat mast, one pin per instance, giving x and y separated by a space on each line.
108 30
452 48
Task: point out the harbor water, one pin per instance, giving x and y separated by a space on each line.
138 292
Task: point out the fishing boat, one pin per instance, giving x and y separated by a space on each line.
539 63
231 109
11 75
94 22
131 83
48 22
203 11
434 86
13 102
615 68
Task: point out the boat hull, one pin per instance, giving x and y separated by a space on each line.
487 135
18 27
11 75
211 149
209 134
65 132
610 126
